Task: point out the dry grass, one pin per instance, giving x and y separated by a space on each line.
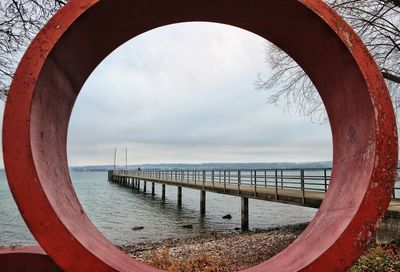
202 261
376 258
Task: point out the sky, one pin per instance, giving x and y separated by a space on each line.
185 93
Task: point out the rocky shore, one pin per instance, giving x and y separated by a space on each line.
215 251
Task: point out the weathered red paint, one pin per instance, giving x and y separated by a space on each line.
83 33
26 258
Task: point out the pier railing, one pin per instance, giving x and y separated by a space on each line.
296 179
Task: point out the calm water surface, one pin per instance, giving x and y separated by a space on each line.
115 210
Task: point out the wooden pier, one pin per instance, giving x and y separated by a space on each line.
305 187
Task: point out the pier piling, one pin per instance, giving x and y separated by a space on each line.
179 195
245 214
202 202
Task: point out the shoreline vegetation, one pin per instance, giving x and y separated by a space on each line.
226 252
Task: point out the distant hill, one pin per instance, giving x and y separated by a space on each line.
217 166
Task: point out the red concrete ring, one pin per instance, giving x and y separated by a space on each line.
26 258
83 33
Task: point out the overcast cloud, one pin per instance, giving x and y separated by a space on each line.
185 93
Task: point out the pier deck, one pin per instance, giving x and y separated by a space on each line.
305 187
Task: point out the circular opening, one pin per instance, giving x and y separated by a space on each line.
183 97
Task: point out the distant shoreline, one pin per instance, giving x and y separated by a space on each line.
211 166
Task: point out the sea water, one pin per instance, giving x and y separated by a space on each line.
115 210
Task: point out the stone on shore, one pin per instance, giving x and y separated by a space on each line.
137 228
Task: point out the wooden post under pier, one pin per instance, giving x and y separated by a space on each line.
202 202
179 195
245 214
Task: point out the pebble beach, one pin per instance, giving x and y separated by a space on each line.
215 251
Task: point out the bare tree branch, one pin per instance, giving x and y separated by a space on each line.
20 20
378 24
391 77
